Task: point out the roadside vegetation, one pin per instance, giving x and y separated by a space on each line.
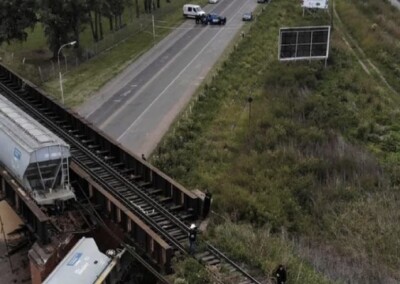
375 26
126 34
309 175
62 22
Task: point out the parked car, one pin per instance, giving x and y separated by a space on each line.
247 16
262 1
213 19
213 1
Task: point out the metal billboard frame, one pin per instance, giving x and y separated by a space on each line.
314 4
297 30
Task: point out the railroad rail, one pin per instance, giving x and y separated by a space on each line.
126 184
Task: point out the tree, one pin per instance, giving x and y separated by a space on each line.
96 26
57 28
62 21
93 26
147 6
15 17
77 12
113 9
137 8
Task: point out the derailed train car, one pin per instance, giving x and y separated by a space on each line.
34 155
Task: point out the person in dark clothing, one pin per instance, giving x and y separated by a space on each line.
206 204
204 19
144 157
192 238
280 274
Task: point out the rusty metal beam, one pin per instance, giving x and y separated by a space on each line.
155 242
35 218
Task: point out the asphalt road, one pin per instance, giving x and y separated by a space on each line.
138 106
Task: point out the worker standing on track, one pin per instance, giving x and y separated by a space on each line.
192 238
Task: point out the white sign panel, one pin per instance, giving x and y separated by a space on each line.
315 4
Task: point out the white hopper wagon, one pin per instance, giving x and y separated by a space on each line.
34 155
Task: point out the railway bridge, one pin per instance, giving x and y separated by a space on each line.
151 211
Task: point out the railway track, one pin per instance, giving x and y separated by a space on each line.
159 212
156 211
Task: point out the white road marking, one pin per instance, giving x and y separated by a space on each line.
109 119
173 81
126 93
112 116
120 109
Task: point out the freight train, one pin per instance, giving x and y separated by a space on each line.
34 156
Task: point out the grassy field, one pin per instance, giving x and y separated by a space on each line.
375 26
311 178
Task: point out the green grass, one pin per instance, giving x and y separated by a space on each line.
264 251
374 24
90 76
318 159
36 41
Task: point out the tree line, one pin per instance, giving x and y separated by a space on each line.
64 20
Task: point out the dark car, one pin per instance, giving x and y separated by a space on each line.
247 16
213 19
262 1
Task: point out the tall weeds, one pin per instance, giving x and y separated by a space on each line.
316 155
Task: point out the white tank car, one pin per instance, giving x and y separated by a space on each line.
34 155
